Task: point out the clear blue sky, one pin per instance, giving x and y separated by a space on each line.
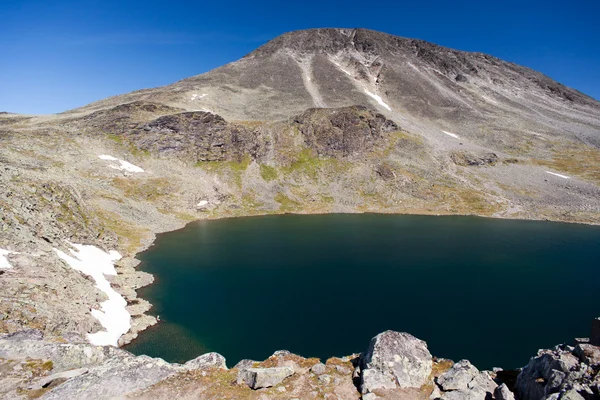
58 55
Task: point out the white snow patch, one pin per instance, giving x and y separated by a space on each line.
202 203
123 165
4 264
96 263
378 99
454 135
559 175
196 96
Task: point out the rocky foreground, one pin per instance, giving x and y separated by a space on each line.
395 366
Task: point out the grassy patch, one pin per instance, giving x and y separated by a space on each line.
286 203
309 164
233 169
268 173
130 236
149 189
575 159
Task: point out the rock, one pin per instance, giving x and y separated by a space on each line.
344 131
557 373
464 381
370 396
325 379
244 364
385 172
206 361
458 377
114 378
395 360
318 369
47 380
257 378
588 354
467 159
503 393
595 335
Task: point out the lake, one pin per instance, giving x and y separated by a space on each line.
489 290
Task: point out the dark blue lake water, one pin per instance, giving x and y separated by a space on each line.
492 291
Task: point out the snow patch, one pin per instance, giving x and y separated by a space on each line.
196 96
123 165
378 99
4 264
96 263
454 135
559 175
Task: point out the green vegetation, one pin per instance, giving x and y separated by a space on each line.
149 189
287 204
268 173
234 169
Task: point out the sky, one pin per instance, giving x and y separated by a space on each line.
59 55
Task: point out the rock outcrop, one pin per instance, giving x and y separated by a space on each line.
343 132
564 372
395 360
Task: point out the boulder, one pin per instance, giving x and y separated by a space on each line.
395 360
588 354
257 378
318 369
503 393
206 361
464 381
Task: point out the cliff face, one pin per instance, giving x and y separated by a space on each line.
326 120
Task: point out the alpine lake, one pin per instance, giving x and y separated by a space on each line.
489 290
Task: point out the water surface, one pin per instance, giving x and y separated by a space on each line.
492 291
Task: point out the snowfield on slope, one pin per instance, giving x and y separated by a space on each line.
454 135
378 99
4 264
96 263
559 175
123 165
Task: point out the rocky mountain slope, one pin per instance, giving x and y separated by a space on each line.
326 120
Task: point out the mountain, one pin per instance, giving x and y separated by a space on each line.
315 121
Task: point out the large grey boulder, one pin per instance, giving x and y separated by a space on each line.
395 360
206 361
464 381
257 378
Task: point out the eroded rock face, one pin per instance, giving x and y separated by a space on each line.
343 131
561 373
197 135
257 378
395 360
